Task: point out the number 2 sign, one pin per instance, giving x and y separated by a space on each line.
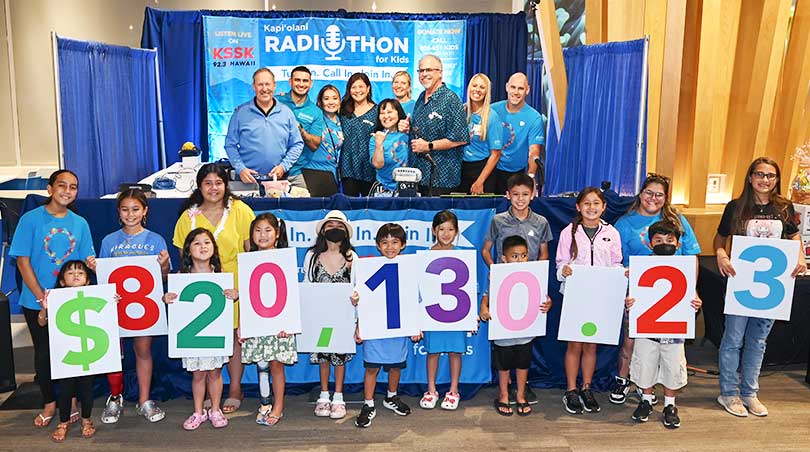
200 318
139 283
448 291
664 287
763 286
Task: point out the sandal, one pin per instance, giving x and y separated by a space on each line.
323 408
231 405
74 417
42 421
61 432
524 409
88 429
337 410
450 401
429 400
261 416
218 419
195 420
272 419
503 408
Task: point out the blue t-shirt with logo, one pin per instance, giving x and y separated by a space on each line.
633 229
311 119
395 154
325 158
121 244
408 106
479 150
524 128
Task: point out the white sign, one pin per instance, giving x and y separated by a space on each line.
664 287
447 289
139 283
593 305
516 291
268 293
200 318
763 287
83 331
330 318
389 299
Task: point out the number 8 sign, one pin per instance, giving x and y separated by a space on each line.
139 283
763 286
664 287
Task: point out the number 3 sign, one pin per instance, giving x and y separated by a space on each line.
447 288
763 286
139 283
664 287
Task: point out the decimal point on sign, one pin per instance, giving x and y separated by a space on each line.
588 329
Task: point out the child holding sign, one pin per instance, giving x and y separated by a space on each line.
329 261
587 232
201 255
760 211
270 353
133 239
72 274
454 343
508 354
660 360
388 147
389 354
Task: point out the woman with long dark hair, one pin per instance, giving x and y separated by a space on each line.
358 115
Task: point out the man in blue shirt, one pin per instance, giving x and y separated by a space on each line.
263 136
524 135
309 117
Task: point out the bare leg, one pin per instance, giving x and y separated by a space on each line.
432 368
277 372
503 386
572 358
340 375
588 364
198 378
323 368
235 369
393 379
370 383
624 357
455 371
215 387
522 376
143 366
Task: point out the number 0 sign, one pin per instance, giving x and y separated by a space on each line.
447 291
139 283
763 286
664 287
201 318
268 292
515 293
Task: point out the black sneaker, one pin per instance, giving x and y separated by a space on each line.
642 413
363 419
589 402
619 393
571 402
396 405
531 397
671 419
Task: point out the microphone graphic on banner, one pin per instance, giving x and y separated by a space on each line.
333 43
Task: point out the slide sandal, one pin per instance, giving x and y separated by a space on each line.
42 421
231 405
502 408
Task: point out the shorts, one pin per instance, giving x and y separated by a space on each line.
654 363
386 367
512 356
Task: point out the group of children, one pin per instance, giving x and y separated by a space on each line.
516 235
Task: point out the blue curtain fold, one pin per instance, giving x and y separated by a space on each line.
109 114
496 46
598 141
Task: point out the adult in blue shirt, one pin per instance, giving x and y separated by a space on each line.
438 131
486 133
388 148
263 135
401 86
309 117
524 137
320 170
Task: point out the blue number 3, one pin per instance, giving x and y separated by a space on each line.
776 290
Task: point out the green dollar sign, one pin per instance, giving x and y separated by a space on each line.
65 324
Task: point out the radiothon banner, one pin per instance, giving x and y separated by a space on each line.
332 48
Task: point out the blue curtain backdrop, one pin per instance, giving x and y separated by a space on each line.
599 136
496 46
109 114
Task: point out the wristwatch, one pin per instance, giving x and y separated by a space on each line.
430 145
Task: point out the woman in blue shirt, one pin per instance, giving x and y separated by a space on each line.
401 86
358 115
320 171
481 155
388 148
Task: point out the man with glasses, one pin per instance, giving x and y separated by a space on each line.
438 130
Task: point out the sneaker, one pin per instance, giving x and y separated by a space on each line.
150 411
195 420
396 405
619 393
450 401
218 420
589 402
733 405
113 409
367 413
638 394
323 408
531 397
754 406
642 413
429 400
571 402
337 410
671 419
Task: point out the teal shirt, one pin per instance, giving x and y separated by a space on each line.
522 129
311 119
478 149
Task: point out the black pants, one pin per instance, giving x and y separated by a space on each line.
469 174
355 187
82 389
501 179
42 355
319 183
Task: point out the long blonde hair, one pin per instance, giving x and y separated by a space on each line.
484 107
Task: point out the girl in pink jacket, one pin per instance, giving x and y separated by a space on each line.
588 240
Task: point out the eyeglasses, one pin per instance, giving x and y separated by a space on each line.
427 70
653 194
761 175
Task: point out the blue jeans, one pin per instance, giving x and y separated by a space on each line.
747 335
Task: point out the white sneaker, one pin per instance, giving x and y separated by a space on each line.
733 405
112 410
754 406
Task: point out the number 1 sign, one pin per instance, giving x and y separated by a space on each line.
664 287
389 302
200 318
139 283
268 292
515 293
763 286
447 291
